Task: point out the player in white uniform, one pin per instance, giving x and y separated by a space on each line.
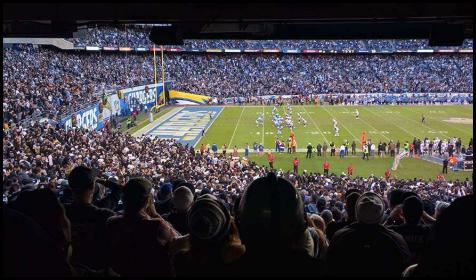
336 129
357 114
260 119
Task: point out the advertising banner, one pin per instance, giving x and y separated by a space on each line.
87 118
98 114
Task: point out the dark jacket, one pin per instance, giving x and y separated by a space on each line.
139 246
178 221
88 234
164 206
28 250
334 227
415 235
111 200
367 250
278 263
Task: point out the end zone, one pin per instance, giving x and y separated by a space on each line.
185 125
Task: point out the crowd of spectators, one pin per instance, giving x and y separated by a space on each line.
137 37
39 81
256 75
154 207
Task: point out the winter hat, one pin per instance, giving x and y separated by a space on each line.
166 188
321 203
204 191
327 216
339 205
369 208
208 219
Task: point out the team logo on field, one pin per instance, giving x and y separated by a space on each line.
187 125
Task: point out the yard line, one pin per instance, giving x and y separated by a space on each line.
355 137
362 119
237 123
447 135
264 120
315 124
210 125
406 131
419 123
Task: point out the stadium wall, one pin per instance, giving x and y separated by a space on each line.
97 115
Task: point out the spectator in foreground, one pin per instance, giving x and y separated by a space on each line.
449 251
395 199
440 207
88 222
414 233
320 226
272 227
182 200
29 250
164 204
214 240
350 201
139 242
45 209
367 248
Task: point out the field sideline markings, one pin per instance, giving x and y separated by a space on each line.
423 124
406 131
237 123
355 137
264 121
316 125
383 135
457 128
210 125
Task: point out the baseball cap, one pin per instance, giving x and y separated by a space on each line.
369 208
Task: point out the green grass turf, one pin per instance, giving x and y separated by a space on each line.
236 126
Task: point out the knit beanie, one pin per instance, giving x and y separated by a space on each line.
208 219
369 208
327 216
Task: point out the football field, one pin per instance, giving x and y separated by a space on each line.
236 126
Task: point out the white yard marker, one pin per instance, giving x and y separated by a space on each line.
355 137
264 121
408 132
233 135
316 125
425 124
214 119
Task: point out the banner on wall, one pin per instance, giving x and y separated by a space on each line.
98 114
87 118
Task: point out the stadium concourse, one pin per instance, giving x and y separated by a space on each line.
102 202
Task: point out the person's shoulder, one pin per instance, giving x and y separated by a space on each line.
392 234
102 212
395 228
114 219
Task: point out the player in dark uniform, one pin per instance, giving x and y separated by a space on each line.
422 119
